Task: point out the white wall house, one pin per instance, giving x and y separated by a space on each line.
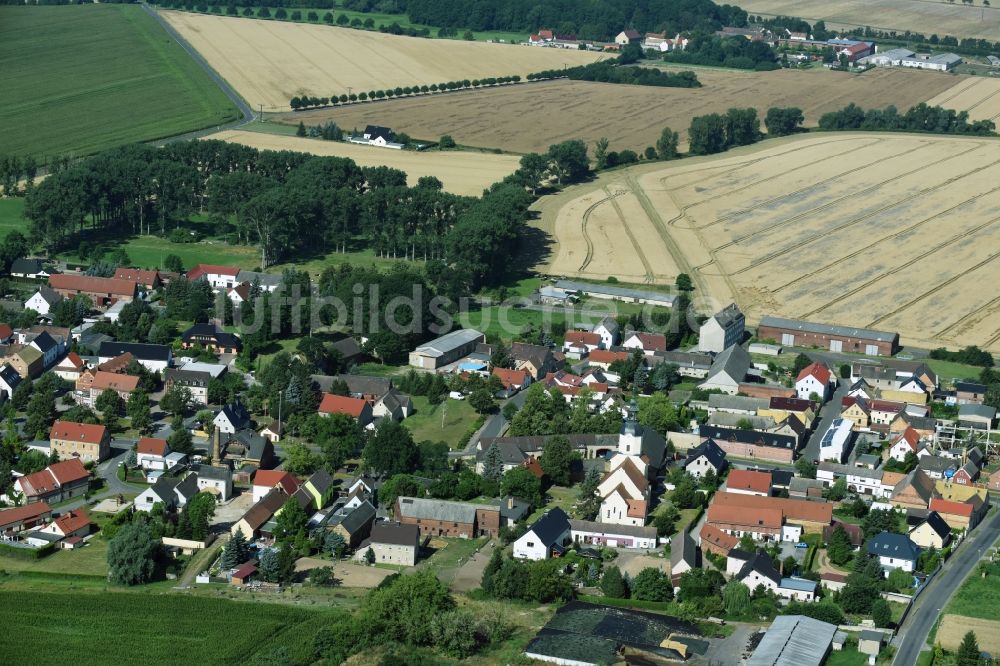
722 330
549 533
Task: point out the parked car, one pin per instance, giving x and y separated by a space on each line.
456 395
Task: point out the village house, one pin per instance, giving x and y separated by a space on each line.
577 344
58 482
320 487
356 408
232 417
905 442
447 518
153 453
704 457
70 367
716 541
218 277
609 332
194 381
781 409
216 480
836 441
722 330
970 393
446 349
67 530
391 543
815 380
894 551
155 358
982 417
266 480
168 491
103 381
749 482
536 360
546 537
728 370
27 361
915 491
932 532
648 343
591 533
768 518
89 443
251 522
960 515
375 135
353 524
9 380
756 569
753 444
859 479
22 518
626 37
212 338
30 268
43 300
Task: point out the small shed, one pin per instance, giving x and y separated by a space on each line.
244 574
839 639
870 642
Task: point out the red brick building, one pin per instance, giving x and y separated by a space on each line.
103 292
797 333
452 519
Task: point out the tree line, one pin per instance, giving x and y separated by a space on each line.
606 72
736 52
920 118
287 204
301 102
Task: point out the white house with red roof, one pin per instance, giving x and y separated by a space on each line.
153 453
75 523
512 380
905 442
647 342
577 344
219 277
356 408
57 482
814 378
70 367
749 482
265 480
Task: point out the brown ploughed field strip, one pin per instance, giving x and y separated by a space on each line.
530 117
461 172
888 231
929 17
269 62
954 627
979 96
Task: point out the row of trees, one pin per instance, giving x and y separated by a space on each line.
606 72
736 52
715 132
309 101
920 118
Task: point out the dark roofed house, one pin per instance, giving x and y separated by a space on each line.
894 551
683 556
753 444
211 337
705 456
27 268
391 543
155 358
356 525
547 537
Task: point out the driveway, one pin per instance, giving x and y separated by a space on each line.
493 427
470 575
730 649
348 574
828 413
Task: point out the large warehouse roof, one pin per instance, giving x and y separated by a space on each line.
794 640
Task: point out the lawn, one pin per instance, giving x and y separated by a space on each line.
978 596
90 560
447 422
509 322
79 79
559 496
849 656
236 633
446 559
11 211
949 371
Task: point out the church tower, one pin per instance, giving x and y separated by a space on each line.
630 437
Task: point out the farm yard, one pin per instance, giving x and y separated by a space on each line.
81 79
979 96
460 172
883 231
923 16
269 62
530 117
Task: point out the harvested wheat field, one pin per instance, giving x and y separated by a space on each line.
979 96
887 231
530 117
954 627
929 17
269 62
461 172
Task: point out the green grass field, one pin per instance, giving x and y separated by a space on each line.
11 218
447 422
159 628
948 371
90 560
78 79
978 596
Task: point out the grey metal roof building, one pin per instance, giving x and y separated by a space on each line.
443 510
829 329
794 640
617 293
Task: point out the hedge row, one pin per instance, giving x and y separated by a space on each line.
27 553
310 102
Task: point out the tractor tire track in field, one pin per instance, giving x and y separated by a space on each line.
650 277
854 221
936 287
583 227
976 314
972 84
836 202
893 236
985 99
782 174
909 262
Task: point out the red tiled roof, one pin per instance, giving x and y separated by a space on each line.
632 472
204 269
92 285
72 521
886 406
533 466
605 356
5 331
115 381
636 508
269 478
77 432
746 516
510 377
117 364
20 514
69 471
139 275
245 570
338 404
243 290
152 446
817 370
793 509
582 338
717 537
745 479
910 436
963 509
791 404
74 360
